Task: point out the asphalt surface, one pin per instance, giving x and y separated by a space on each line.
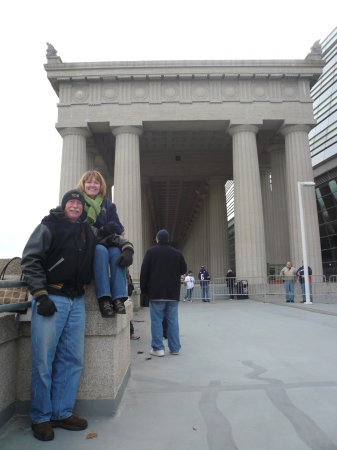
250 376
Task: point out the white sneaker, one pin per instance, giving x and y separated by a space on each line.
157 352
174 353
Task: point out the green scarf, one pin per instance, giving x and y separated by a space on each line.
92 207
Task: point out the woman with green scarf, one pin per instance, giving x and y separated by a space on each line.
102 214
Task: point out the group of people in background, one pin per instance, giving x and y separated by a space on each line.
188 281
289 276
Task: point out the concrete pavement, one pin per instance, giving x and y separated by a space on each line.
250 376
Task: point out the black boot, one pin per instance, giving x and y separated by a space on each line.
105 307
118 306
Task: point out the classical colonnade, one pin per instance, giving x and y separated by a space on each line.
201 122
265 219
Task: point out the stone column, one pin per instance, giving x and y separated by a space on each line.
281 249
266 205
299 168
127 190
250 250
74 157
218 234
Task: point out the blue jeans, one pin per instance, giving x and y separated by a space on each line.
303 291
57 358
289 290
113 285
169 310
188 295
204 292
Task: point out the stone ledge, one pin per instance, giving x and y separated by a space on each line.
9 328
106 367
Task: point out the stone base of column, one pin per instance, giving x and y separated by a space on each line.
106 362
135 299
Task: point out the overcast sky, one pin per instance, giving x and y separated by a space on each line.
129 30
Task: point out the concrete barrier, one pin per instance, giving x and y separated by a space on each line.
106 362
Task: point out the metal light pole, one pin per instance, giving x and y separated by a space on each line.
304 242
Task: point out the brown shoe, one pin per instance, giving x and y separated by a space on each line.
73 423
43 431
118 306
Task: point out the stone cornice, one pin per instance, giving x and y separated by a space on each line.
182 70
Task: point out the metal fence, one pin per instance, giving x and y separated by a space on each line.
268 289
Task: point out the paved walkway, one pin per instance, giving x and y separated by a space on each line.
251 376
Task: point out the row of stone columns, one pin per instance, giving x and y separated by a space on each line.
207 240
209 234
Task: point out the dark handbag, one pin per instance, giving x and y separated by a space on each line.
12 290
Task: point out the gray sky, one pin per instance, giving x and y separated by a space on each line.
117 31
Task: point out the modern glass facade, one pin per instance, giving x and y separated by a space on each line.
323 147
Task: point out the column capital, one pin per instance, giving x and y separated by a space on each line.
74 131
127 130
235 129
295 128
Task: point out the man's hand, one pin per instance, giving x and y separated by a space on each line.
126 258
45 306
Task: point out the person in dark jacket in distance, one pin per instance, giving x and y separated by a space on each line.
160 281
230 280
109 260
300 274
204 278
56 264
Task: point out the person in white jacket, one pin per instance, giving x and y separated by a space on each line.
189 283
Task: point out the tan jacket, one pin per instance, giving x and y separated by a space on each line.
288 274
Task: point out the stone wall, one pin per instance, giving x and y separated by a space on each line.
106 362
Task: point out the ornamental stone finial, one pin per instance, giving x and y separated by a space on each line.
316 48
315 51
50 50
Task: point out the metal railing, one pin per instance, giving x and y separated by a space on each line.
14 307
265 288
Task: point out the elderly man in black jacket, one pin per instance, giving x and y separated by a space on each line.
56 264
160 281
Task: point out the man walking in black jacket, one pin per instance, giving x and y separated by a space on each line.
160 281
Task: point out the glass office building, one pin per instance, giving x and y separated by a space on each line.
323 147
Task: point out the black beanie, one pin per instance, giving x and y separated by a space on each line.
74 194
163 236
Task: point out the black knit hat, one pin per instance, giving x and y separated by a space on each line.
163 236
74 194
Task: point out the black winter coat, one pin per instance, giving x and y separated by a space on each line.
160 272
59 251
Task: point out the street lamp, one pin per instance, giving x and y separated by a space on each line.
304 244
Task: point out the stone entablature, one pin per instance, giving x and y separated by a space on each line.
183 82
273 89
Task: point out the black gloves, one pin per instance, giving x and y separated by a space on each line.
126 258
109 228
45 306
